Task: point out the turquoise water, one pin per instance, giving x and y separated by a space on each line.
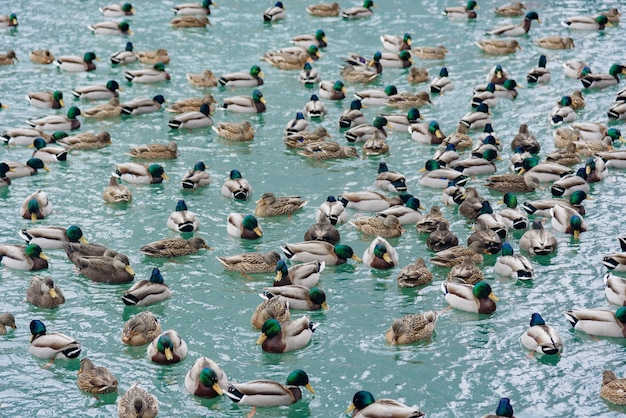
470 362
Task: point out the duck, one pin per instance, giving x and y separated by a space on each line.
441 238
43 292
314 108
6 320
124 57
589 131
484 94
376 145
140 173
511 216
615 261
318 39
429 53
274 13
612 388
428 133
167 348
401 59
268 393
116 192
459 139
442 83
507 90
322 232
243 226
117 10
288 336
387 227
539 74
462 12
305 274
542 207
114 269
190 21
363 132
472 204
97 380
174 247
46 99
36 206
98 91
497 75
565 156
323 9
276 307
78 249
7 21
574 69
236 187
299 297
562 112
380 254
202 8
555 42
26 136
407 100
148 75
455 255
417 75
396 43
245 104
488 219
407 214
513 265
57 122
270 205
331 210
252 78
615 289
411 328
525 140
310 76
377 97
51 345
4 180
202 80
364 405
431 221
358 12
76 64
106 110
330 254
235 131
570 183
196 177
477 118
541 337
599 22
141 105
498 46
305 138
537 240
370 200
52 237
516 30
598 322
466 271
613 15
414 275
30 168
206 379
137 402
48 153
567 220
292 58
141 329
510 10
401 122
332 90
591 80
470 298
251 262
111 28
545 171
192 120
453 195
617 111
153 57
147 292
437 177
155 151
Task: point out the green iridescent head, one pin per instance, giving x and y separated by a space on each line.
156 277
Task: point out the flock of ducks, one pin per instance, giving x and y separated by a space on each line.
591 145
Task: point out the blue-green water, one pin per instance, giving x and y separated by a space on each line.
471 361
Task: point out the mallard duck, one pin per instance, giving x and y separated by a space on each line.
77 249
243 226
441 238
4 180
538 241
427 133
236 186
387 227
148 75
498 46
408 100
36 206
565 156
407 214
511 216
322 232
298 124
396 43
96 380
190 22
75 64
310 76
417 75
526 140
613 15
539 74
455 255
459 139
167 348
360 63
252 78
30 168
376 145
431 221
174 247
555 42
292 58
400 59
591 80
589 131
574 69
288 336
370 200
137 402
545 171
615 289
487 219
415 275
141 105
318 39
245 104
466 272
568 220
617 111
570 183
510 10
50 237
314 108
470 298
388 180
359 12
299 297
497 75
430 53
124 57
206 379
48 153
507 90
196 177
599 322
599 22
57 122
153 57
46 99
472 204
251 262
411 328
141 329
106 110
140 173
513 265
155 151
477 118
270 205
98 91
333 211
111 28
147 292
616 261
323 9
364 405
462 12
43 292
51 346
361 133
305 274
453 194
202 80
376 97
437 177
274 13
202 8
333 90
6 320
380 254
117 10
276 307
116 193
401 122
484 94
107 269
192 120
612 388
516 30
305 138
442 83
26 136
268 392
331 255
562 112
7 21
